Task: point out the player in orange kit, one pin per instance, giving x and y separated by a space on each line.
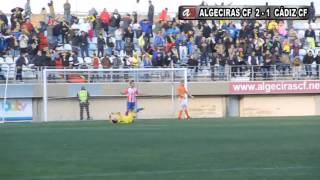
182 95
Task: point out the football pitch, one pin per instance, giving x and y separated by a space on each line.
200 149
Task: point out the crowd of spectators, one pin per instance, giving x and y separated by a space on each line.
114 40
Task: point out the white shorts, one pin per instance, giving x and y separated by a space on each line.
184 103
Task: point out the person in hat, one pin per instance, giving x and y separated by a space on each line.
83 97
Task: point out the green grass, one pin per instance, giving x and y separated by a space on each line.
201 149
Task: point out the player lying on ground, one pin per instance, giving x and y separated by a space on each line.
119 118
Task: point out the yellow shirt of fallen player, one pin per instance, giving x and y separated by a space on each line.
119 118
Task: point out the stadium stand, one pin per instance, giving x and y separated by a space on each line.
212 50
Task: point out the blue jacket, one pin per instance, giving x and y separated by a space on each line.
158 40
190 47
3 44
232 31
146 26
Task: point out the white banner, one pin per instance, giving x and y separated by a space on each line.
16 109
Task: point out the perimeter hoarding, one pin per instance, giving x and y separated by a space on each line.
17 110
274 87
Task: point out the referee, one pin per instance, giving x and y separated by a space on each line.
83 96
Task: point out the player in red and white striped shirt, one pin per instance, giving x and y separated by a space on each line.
131 93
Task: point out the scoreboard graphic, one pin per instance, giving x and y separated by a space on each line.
244 12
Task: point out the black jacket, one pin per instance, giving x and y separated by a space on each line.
317 59
101 42
151 13
21 61
307 59
206 31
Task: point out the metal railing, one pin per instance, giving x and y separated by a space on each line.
195 73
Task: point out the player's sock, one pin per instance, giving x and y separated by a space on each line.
180 114
188 116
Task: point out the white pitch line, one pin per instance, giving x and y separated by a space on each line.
162 172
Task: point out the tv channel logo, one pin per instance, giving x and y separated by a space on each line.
187 12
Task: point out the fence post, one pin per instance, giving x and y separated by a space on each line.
318 71
252 75
274 72
89 78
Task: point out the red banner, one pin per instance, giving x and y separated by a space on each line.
274 87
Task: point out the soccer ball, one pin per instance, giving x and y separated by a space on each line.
113 118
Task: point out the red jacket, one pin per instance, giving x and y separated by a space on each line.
43 41
95 62
104 16
28 26
59 63
163 15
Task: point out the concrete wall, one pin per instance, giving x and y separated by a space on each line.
211 100
199 107
155 108
290 105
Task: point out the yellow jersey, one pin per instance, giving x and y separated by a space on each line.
127 119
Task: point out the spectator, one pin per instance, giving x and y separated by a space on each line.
141 42
116 63
307 61
43 41
37 59
104 18
95 61
193 66
158 40
128 33
65 32
282 28
3 18
317 60
253 62
43 19
101 42
127 21
21 61
222 63
84 49
129 47
110 44
232 62
296 67
106 63
94 13
135 60
75 60
51 9
67 11
23 43
206 31
27 25
285 63
312 13
118 34
27 9
146 27
163 15
59 61
310 36
114 21
150 12
267 63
